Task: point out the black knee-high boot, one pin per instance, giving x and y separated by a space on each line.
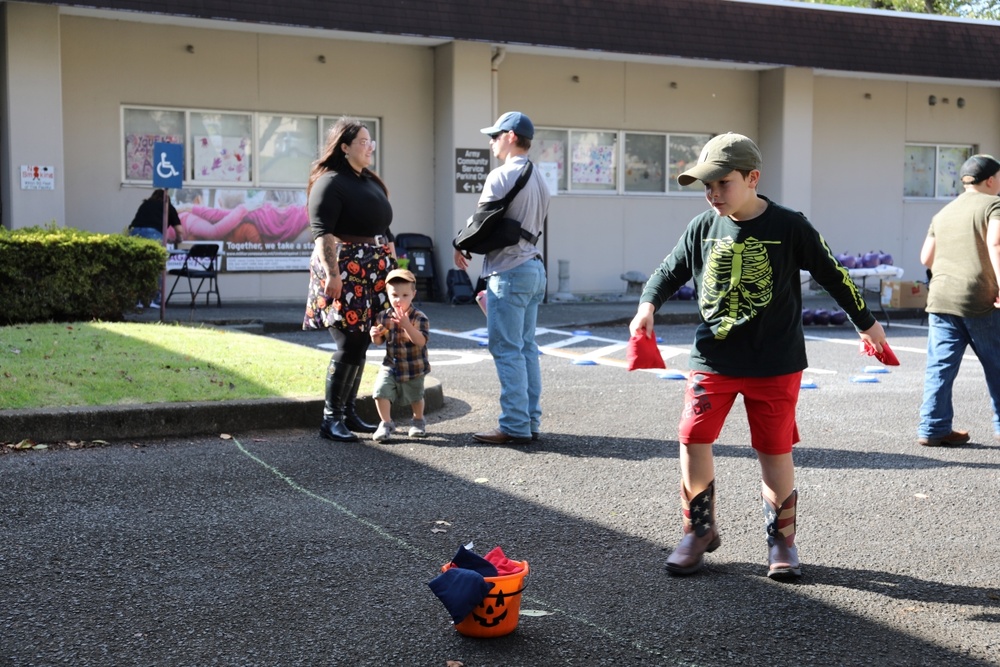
351 418
339 378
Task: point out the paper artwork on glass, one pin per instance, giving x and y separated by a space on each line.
918 171
549 147
139 154
950 161
218 158
593 160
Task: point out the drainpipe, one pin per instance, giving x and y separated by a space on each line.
498 55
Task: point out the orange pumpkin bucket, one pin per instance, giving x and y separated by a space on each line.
500 610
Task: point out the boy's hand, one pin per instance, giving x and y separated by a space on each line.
875 336
377 331
643 320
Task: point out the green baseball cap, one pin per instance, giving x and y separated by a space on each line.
722 154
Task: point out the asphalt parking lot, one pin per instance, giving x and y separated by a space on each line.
274 547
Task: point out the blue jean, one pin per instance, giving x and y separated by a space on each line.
511 314
146 233
948 337
152 235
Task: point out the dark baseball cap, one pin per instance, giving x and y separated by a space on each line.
512 120
722 154
978 168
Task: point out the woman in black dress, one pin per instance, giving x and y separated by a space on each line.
349 214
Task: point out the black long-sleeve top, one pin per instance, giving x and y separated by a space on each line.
150 215
749 289
345 203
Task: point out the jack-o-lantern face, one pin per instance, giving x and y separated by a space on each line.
488 616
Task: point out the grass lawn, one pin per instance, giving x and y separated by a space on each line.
121 363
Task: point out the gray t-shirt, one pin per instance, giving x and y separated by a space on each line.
530 207
962 278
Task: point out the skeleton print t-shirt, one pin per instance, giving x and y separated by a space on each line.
749 289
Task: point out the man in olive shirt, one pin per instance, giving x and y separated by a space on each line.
962 250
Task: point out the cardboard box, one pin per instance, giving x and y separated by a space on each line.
904 294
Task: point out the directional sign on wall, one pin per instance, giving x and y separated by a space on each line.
471 168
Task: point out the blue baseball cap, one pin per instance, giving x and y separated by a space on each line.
512 120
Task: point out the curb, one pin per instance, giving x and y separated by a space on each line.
158 420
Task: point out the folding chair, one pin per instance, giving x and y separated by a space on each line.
200 264
419 248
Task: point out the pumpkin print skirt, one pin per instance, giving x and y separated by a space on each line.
363 269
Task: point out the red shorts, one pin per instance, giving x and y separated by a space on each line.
770 404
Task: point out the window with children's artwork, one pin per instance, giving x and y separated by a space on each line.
593 160
587 160
221 147
245 176
231 148
549 147
933 170
142 128
286 147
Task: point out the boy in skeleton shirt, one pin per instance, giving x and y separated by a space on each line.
744 255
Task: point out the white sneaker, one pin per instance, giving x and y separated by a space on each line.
419 428
384 431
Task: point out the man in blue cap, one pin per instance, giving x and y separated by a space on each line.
515 277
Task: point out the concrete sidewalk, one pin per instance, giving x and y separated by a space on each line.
197 418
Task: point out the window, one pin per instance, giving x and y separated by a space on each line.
594 160
142 128
228 149
644 162
684 152
287 147
221 147
650 161
549 146
931 170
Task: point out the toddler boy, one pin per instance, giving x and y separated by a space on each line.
404 330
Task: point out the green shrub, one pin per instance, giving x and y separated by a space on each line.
62 274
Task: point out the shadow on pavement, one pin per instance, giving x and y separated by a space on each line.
278 549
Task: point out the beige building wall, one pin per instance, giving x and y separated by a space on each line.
860 129
606 234
833 145
463 103
109 63
785 136
32 98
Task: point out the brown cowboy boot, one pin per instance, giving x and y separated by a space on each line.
700 534
783 556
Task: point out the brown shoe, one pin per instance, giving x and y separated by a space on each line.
498 437
953 439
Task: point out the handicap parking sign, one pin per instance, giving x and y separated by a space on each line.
168 165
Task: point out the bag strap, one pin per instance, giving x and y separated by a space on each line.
529 237
509 197
518 184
